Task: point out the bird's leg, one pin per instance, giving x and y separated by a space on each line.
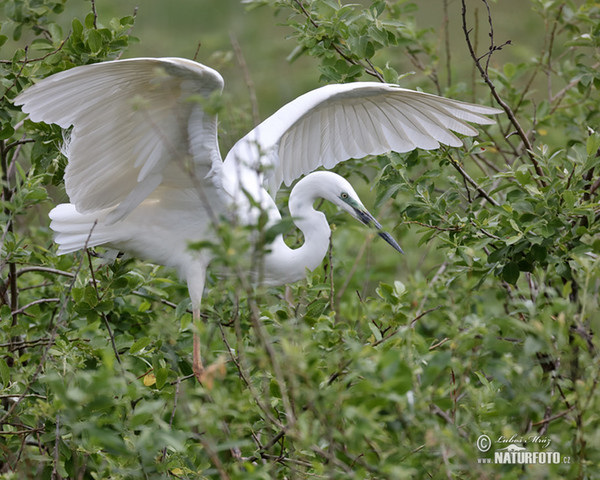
204 375
197 365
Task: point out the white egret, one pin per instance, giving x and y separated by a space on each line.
145 174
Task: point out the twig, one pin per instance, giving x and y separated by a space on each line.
29 395
438 344
25 61
334 376
102 314
569 86
244 375
177 385
239 55
44 269
369 71
277 370
484 231
442 414
35 302
446 27
265 448
454 228
484 74
414 320
473 183
55 474
361 252
332 301
550 48
95 14
553 417
139 293
18 344
7 195
27 431
214 458
432 75
197 52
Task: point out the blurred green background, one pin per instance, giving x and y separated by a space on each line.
208 29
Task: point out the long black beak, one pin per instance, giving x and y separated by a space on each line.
365 217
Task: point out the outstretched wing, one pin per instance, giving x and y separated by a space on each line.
337 122
132 120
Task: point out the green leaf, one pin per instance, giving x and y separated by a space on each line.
77 28
511 272
55 32
509 69
4 372
140 344
539 252
90 18
593 143
161 377
94 40
6 131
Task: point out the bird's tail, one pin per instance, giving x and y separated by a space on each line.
74 230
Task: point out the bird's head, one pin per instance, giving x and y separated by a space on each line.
337 190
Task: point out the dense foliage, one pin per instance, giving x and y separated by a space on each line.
375 366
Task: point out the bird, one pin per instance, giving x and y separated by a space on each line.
145 175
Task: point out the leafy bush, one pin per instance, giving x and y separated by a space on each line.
492 330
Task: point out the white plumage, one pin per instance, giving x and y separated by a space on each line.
145 174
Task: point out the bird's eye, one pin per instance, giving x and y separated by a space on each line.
344 195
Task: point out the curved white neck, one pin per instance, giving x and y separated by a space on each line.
284 264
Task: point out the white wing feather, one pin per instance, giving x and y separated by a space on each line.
337 122
131 120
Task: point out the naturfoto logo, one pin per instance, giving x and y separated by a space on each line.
519 450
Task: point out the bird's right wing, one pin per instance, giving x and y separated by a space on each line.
134 123
336 122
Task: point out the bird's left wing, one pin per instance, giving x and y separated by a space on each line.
337 122
132 120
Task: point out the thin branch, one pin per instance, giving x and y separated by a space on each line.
19 344
473 183
35 302
214 458
553 417
361 252
37 268
332 302
414 320
239 55
27 431
551 47
25 61
29 395
95 12
439 344
484 74
369 71
55 475
53 335
177 385
454 228
265 448
242 371
446 28
154 298
569 86
102 314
